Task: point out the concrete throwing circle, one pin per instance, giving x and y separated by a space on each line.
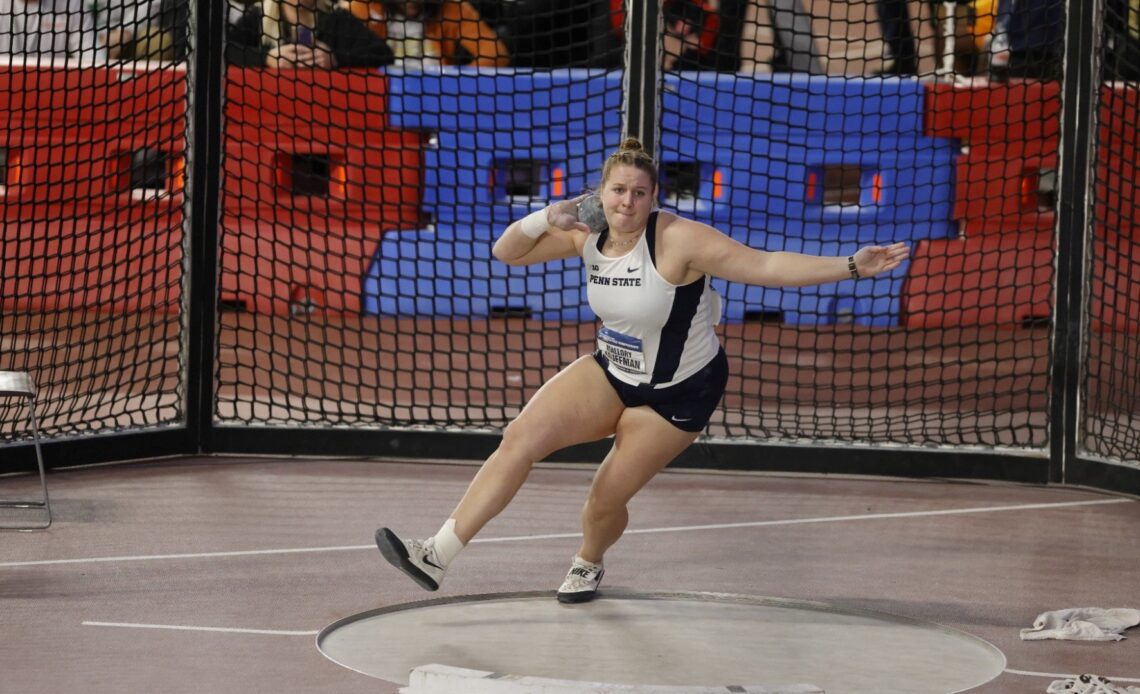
678 639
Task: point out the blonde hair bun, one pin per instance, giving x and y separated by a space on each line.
631 144
631 153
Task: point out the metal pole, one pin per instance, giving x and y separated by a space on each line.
1074 177
643 30
205 133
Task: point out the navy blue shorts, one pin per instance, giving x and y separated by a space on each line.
687 405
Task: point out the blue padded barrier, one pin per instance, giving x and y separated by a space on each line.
764 144
505 100
465 175
484 119
770 138
790 102
906 181
872 301
768 232
420 274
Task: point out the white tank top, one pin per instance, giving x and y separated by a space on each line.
653 332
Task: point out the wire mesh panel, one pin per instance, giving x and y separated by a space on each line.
366 180
93 162
1111 388
360 205
372 152
846 124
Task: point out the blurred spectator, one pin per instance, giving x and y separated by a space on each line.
691 28
758 49
166 34
999 42
894 20
1122 40
1028 40
144 29
776 36
1036 38
108 21
428 33
1033 32
970 25
49 29
695 37
303 34
563 33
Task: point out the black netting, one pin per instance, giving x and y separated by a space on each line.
1111 387
833 146
372 153
93 160
360 207
951 349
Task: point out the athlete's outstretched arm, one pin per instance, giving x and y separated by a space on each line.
714 253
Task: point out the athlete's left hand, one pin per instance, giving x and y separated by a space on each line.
873 260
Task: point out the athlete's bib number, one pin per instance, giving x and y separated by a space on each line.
623 351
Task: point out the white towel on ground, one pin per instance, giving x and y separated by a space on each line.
1089 684
1082 623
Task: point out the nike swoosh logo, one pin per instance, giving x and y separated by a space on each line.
633 269
429 562
678 419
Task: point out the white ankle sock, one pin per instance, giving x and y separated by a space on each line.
447 543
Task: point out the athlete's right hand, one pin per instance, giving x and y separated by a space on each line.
564 215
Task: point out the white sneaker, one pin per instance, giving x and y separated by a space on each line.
417 558
581 584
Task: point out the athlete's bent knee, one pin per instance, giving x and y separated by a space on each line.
519 444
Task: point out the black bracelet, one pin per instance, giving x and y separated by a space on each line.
851 266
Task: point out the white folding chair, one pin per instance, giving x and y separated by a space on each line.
18 384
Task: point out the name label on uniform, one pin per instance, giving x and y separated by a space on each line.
624 352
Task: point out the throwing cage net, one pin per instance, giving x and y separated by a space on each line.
92 197
1110 393
371 154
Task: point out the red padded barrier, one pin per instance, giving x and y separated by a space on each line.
55 95
74 233
977 114
1009 133
377 184
1118 158
338 114
987 280
1008 281
1116 283
280 248
119 263
69 142
997 187
278 269
73 130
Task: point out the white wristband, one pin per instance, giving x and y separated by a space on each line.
534 224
